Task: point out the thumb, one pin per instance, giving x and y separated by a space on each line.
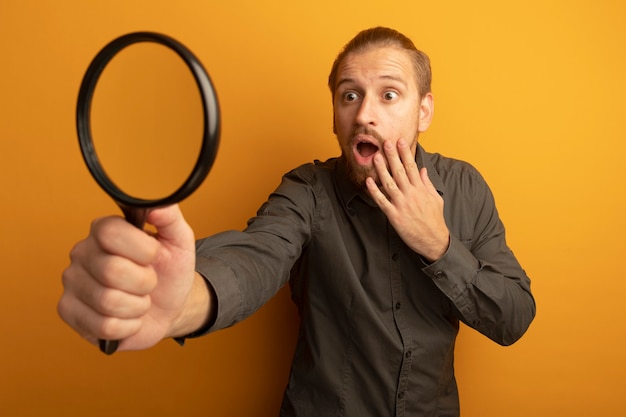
171 226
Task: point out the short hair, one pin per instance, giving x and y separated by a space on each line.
385 37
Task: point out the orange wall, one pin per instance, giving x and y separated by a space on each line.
531 92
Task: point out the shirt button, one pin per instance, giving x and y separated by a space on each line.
394 256
398 305
401 394
408 354
439 274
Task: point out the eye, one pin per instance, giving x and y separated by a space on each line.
390 95
350 96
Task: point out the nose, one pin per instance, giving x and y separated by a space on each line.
366 114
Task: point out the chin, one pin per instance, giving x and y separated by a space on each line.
358 174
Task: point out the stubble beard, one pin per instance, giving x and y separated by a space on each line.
358 173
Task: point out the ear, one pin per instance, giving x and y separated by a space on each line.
427 108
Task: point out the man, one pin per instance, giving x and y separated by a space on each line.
385 248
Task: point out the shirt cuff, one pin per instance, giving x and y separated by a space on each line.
206 328
455 270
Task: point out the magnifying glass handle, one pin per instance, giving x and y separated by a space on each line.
109 346
137 217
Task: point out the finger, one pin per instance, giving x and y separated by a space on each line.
92 325
387 182
377 195
408 162
396 166
107 301
423 173
74 314
116 236
89 262
123 274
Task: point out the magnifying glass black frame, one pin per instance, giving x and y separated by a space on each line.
136 209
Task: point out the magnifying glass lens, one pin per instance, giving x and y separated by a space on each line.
135 208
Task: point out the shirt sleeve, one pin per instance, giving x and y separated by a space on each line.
479 273
247 268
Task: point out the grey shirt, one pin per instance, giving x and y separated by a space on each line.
378 324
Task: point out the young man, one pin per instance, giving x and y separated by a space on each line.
386 248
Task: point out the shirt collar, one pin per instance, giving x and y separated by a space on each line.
348 191
425 159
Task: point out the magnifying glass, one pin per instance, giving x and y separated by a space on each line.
135 208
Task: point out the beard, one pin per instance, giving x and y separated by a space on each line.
358 173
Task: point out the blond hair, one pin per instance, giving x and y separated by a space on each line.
385 37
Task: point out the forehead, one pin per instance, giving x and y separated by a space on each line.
377 63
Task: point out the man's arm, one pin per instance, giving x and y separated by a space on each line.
410 201
199 311
480 276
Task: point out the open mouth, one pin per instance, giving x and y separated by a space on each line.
364 152
366 149
365 144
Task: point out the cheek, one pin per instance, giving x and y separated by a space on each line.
342 123
405 123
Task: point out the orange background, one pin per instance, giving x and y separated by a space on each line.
532 93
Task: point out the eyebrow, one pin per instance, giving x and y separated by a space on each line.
347 80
